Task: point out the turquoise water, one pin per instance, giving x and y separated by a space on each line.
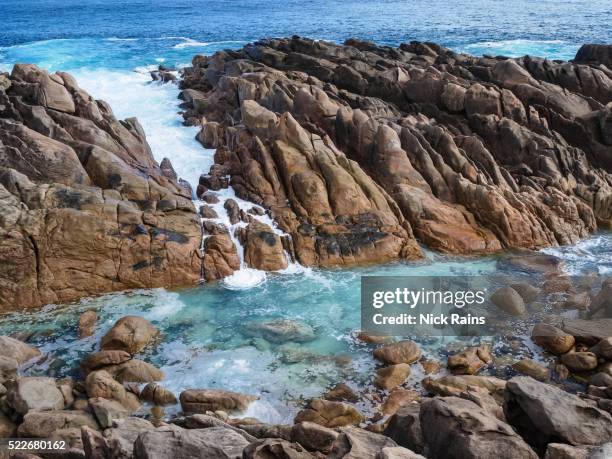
110 46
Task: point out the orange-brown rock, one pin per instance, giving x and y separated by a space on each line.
85 208
356 149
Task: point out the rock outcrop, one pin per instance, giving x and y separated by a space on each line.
84 207
358 150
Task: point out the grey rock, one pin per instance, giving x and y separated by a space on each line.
275 448
404 428
544 414
356 443
34 393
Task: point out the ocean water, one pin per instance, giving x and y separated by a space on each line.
111 45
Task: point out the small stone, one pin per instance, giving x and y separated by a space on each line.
107 410
373 339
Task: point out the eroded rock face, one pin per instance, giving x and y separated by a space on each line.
356 149
472 431
544 414
84 207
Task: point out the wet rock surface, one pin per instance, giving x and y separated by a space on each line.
85 207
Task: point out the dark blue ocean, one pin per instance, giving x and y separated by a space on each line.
110 46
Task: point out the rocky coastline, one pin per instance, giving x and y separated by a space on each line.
347 155
479 401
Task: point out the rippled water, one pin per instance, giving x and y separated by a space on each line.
110 45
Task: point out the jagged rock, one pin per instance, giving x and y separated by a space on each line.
533 369
329 414
95 445
33 394
106 411
86 209
470 361
220 257
404 428
355 443
472 431
402 352
579 361
203 400
281 331
313 437
544 414
87 324
171 441
552 339
275 449
121 437
154 393
105 358
508 300
41 424
131 334
17 350
357 149
263 248
392 376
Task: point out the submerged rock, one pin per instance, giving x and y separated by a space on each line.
281 331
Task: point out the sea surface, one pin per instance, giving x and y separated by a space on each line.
111 45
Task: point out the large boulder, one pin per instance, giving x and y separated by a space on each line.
404 427
563 451
135 370
355 443
401 352
101 384
42 424
105 358
588 331
472 432
171 441
313 437
106 411
329 414
121 437
158 395
544 414
456 384
17 350
130 334
263 248
203 400
34 394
